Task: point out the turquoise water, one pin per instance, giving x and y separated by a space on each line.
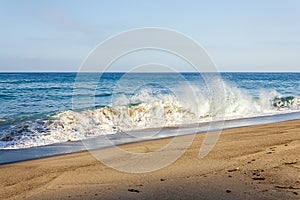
44 108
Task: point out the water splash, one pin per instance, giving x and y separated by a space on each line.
146 110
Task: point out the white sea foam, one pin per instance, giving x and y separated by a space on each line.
144 111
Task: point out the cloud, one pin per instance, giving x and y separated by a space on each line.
62 19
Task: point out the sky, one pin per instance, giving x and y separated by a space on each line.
57 35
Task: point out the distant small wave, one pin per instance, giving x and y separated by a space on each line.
4 95
103 95
7 96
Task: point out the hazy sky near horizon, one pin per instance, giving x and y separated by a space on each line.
58 35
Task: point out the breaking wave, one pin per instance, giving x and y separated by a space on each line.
144 111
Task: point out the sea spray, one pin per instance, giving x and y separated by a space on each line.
147 109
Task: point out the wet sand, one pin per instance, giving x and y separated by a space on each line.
255 162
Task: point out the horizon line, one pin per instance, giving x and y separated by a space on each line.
150 72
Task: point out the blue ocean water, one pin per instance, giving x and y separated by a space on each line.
44 108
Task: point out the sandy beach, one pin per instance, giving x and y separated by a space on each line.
256 162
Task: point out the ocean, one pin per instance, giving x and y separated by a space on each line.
41 109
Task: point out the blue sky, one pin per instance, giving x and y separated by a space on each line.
57 35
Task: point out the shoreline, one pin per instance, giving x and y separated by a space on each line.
9 156
253 162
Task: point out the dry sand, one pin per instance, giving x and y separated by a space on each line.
257 162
